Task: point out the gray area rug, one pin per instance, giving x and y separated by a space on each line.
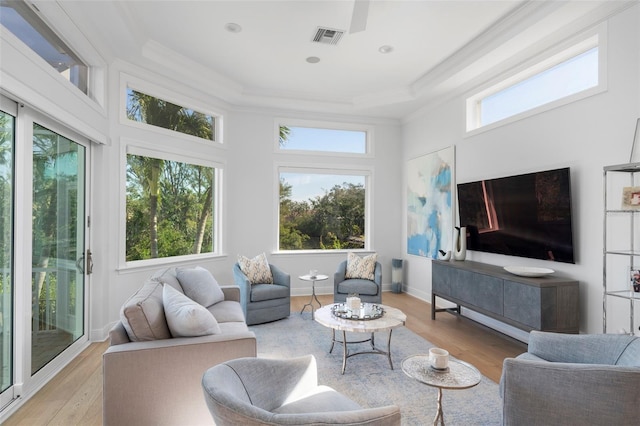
368 379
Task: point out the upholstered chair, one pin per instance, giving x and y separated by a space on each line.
261 391
573 379
367 290
264 302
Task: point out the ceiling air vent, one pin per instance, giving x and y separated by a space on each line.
328 36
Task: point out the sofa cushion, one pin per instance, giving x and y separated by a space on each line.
260 292
227 311
358 286
142 315
361 267
185 317
631 355
257 269
167 276
199 285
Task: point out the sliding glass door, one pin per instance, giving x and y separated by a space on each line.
7 137
58 244
43 267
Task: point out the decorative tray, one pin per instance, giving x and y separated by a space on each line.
367 311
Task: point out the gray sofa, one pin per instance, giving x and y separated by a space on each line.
152 378
568 379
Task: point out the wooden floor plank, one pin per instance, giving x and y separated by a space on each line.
74 396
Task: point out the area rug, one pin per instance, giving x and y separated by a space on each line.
368 379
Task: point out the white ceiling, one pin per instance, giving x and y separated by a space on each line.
438 46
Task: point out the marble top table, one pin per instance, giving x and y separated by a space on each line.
391 319
459 375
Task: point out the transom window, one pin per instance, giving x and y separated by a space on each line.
26 25
308 138
566 76
158 112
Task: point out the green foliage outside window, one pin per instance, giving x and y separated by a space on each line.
333 221
169 208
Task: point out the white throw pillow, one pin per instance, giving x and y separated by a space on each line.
185 317
361 267
256 269
199 285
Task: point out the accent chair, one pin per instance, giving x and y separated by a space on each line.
573 379
264 302
368 290
262 391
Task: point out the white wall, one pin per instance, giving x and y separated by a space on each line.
585 135
250 200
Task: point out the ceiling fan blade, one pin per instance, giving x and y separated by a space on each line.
359 17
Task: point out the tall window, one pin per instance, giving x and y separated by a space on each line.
320 211
563 77
26 25
7 132
324 206
148 109
170 208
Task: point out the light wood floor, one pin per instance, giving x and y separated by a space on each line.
74 397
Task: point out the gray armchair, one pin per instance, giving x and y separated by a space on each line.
261 391
368 291
569 379
264 302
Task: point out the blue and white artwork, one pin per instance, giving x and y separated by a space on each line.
429 209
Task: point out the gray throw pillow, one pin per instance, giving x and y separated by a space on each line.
185 317
200 286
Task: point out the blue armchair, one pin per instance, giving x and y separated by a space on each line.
264 302
569 379
368 291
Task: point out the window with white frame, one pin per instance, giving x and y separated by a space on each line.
307 138
172 206
21 20
148 109
322 209
566 76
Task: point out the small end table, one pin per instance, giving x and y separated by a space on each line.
460 375
313 279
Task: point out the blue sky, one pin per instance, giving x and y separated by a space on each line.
306 185
328 140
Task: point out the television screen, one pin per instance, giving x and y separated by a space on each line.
527 215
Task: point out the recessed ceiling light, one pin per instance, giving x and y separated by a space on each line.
233 27
313 59
385 49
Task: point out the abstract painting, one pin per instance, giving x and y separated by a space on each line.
429 203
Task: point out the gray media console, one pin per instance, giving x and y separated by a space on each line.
549 303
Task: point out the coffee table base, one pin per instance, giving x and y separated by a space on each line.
374 349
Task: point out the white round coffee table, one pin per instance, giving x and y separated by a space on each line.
313 279
459 375
391 319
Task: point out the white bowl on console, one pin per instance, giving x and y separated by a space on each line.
528 271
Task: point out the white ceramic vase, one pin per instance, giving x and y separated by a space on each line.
460 243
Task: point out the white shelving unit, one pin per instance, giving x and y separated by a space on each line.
621 249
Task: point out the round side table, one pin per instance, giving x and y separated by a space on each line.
313 279
459 375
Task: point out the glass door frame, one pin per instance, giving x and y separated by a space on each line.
24 382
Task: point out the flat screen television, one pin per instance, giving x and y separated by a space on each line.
527 215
